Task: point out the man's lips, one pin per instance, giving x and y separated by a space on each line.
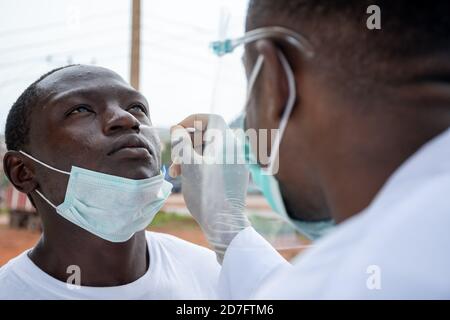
132 144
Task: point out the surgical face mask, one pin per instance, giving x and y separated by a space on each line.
264 177
270 188
110 207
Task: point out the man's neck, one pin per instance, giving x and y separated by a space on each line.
101 263
353 184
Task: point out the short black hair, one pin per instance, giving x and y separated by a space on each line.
413 34
407 27
18 122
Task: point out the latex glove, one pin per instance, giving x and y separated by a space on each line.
214 190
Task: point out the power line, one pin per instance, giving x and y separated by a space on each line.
104 45
164 34
170 64
41 44
156 43
14 32
30 77
58 40
174 51
172 22
179 36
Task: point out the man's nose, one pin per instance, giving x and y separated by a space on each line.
120 120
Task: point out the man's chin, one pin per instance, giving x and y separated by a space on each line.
134 170
133 167
141 173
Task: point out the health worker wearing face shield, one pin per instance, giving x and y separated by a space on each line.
361 161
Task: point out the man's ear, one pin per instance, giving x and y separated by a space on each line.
275 89
18 172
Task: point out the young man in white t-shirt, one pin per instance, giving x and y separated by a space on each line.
89 117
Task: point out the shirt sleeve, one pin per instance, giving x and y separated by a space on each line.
248 262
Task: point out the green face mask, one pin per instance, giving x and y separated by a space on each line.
269 186
264 178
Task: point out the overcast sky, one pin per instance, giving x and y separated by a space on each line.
179 73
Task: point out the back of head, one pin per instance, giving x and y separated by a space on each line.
412 44
366 101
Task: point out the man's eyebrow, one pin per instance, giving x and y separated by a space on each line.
53 97
141 98
56 96
140 95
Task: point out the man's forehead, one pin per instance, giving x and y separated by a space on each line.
73 76
80 78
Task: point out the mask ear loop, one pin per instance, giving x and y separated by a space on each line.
251 83
49 167
44 198
288 109
254 76
285 117
44 164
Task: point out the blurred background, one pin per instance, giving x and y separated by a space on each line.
162 48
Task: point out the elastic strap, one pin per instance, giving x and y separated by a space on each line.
44 164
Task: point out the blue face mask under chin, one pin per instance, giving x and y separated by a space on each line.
110 207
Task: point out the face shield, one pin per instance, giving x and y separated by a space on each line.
232 92
215 176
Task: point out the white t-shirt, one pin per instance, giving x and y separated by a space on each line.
178 270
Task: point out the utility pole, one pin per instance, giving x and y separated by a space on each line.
135 62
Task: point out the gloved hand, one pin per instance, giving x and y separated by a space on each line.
213 188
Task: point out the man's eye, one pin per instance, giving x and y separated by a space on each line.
80 109
138 107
